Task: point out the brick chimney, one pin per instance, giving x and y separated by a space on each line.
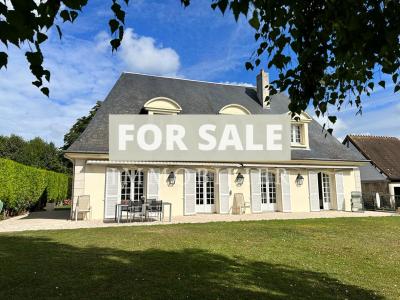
263 88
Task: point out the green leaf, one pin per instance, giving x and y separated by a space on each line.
121 32
37 83
382 83
45 91
332 119
394 77
115 43
254 21
113 23
59 31
46 74
397 88
249 66
41 37
3 60
73 15
65 15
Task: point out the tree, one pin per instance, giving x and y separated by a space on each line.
11 147
36 153
326 52
79 127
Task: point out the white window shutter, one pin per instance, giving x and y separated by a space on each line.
190 192
285 185
224 189
313 190
112 192
153 184
255 178
357 179
339 191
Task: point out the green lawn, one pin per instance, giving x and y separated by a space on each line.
353 258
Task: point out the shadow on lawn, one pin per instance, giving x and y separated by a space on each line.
41 268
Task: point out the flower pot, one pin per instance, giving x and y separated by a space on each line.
50 206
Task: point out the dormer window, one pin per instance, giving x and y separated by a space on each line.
162 106
234 109
299 131
296 134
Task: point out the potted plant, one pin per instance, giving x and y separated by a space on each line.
50 205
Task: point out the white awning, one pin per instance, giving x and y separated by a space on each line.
213 164
161 163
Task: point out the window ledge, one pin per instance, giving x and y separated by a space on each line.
301 146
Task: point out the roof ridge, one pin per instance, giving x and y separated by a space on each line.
185 79
372 136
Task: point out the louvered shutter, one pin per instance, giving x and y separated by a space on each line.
285 184
153 184
112 192
190 192
313 190
357 180
224 189
255 178
339 191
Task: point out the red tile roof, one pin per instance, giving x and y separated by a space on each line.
383 151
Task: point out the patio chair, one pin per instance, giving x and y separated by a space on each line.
239 204
154 208
356 202
125 208
83 206
136 208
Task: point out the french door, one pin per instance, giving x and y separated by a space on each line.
268 191
205 196
324 191
132 184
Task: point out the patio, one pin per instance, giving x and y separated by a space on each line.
59 219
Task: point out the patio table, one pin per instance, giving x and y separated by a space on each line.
118 210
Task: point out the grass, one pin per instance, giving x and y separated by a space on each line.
347 258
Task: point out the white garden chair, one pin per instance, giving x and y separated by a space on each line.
83 206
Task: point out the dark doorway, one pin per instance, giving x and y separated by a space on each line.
397 196
320 191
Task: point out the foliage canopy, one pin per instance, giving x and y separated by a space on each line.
36 153
326 52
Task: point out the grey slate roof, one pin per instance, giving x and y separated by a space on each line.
132 91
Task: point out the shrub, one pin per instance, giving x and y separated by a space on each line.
21 187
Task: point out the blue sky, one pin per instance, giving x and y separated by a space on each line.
161 38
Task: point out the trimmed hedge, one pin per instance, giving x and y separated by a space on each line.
22 187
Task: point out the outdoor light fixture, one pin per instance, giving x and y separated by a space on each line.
299 180
239 179
171 178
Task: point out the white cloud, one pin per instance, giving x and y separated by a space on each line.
238 83
82 72
80 75
378 117
142 54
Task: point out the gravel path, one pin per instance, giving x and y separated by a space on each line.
53 220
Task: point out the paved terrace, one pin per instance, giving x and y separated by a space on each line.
53 220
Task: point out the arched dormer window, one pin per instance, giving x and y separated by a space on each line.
234 109
162 106
299 131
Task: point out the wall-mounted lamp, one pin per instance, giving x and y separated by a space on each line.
299 180
239 179
171 178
